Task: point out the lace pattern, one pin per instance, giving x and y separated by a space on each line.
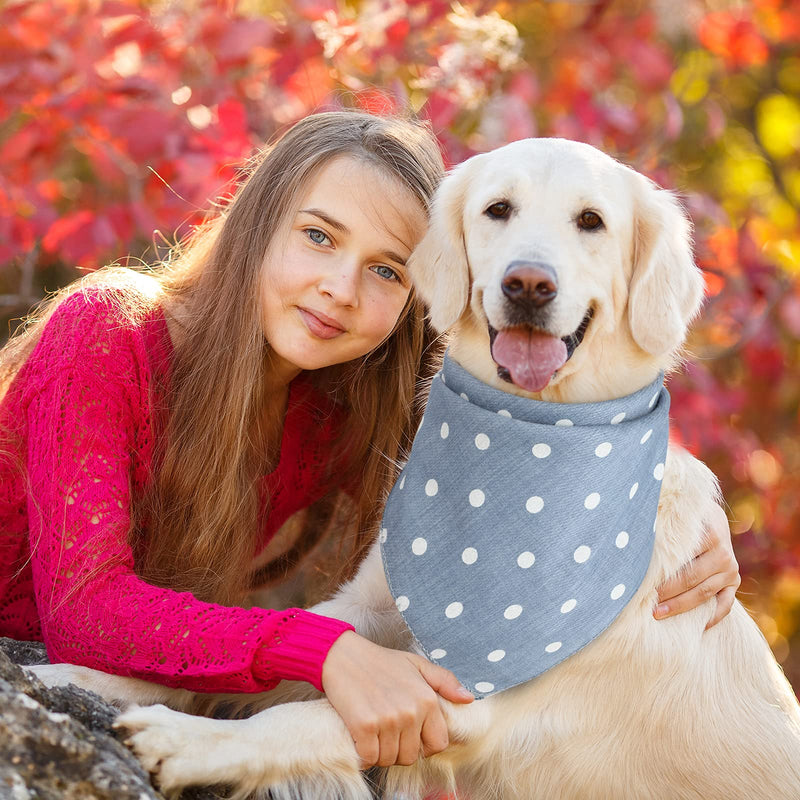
81 408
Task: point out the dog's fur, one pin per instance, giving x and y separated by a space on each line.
650 709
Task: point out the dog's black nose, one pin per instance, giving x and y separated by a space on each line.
528 283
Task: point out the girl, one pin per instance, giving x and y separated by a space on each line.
157 428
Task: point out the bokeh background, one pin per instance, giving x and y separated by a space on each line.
120 121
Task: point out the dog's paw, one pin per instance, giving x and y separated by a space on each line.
63 674
183 750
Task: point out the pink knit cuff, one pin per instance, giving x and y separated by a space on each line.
298 648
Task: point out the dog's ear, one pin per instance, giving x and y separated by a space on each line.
666 288
438 264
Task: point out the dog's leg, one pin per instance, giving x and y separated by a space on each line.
295 750
115 689
300 747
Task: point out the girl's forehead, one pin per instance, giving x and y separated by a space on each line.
349 188
352 173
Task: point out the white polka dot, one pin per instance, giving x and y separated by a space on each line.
503 413
534 504
618 418
383 535
484 686
602 450
634 489
438 653
581 555
476 498
453 610
618 591
481 441
568 606
470 555
444 431
552 647
526 559
419 546
622 539
464 396
431 487
565 422
653 399
512 612
541 450
496 655
401 603
646 436
658 472
402 481
592 501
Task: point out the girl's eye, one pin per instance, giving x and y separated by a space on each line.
317 236
386 272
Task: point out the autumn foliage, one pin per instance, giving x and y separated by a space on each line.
121 120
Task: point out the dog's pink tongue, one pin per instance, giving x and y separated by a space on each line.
530 356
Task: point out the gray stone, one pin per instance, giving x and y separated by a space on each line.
58 744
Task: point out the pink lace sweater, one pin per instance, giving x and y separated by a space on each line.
82 411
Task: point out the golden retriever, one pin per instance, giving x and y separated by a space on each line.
659 710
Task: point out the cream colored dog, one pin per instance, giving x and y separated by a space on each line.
566 276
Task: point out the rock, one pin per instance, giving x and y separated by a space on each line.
58 744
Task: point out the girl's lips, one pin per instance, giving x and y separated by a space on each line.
320 325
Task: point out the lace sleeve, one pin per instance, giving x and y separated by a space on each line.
95 611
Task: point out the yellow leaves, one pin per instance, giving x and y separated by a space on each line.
778 125
745 173
690 82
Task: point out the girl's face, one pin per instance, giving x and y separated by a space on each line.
334 279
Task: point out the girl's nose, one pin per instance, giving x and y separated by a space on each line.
341 284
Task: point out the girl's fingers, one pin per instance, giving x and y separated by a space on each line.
389 747
434 734
368 749
692 598
697 571
409 747
725 600
443 682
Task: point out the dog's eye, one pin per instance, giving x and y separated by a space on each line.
498 210
589 221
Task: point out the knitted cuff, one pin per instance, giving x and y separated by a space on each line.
298 648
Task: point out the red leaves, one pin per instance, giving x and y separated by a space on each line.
735 37
130 115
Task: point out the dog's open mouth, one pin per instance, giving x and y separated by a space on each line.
528 357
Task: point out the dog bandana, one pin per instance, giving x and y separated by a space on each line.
520 529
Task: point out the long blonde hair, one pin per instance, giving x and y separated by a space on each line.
197 526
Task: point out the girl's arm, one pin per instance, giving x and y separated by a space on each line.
84 430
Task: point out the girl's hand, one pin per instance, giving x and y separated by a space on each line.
388 700
714 572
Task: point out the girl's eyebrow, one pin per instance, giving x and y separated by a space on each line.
389 255
320 214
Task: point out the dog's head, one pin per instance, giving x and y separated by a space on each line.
556 257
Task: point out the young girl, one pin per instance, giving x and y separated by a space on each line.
158 427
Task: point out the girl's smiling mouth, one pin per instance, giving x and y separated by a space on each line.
319 324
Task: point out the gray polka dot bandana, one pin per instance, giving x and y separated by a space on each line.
519 529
